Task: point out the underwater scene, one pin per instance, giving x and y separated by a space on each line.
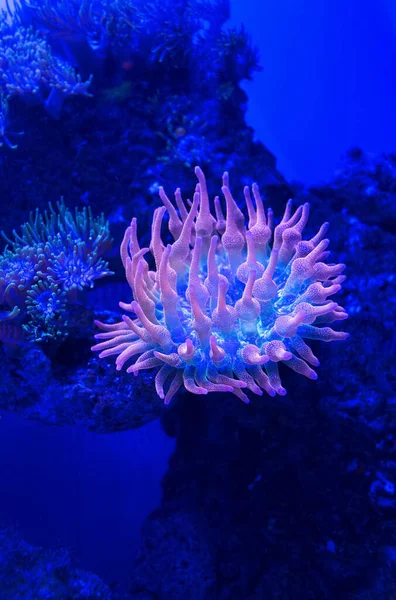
197 300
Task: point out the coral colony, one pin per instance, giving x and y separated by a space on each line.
56 255
222 306
28 68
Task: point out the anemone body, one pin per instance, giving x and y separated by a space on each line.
225 302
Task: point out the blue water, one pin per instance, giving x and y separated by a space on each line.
66 487
328 80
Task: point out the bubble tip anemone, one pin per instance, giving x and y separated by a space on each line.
224 305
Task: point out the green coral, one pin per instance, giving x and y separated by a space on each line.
53 226
46 309
55 255
27 64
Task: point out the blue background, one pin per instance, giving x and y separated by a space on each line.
328 82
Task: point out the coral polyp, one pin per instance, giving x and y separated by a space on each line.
56 255
76 269
224 306
46 307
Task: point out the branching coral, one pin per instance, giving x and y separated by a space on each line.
222 307
55 253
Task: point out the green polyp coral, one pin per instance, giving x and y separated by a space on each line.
46 306
18 272
19 266
74 268
55 255
44 228
29 68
